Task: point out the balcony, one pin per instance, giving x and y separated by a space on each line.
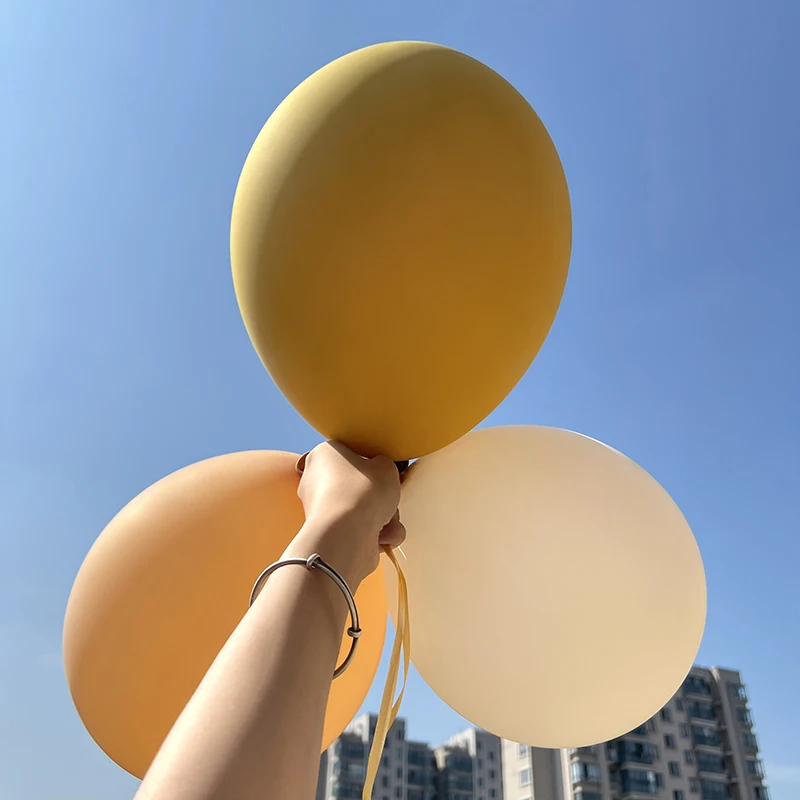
583 752
749 741
697 686
583 772
714 790
702 711
459 762
711 764
348 791
705 737
638 781
349 748
737 692
633 753
754 768
744 717
419 777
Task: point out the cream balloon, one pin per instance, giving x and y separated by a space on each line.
557 594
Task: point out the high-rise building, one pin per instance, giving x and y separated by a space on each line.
406 772
420 772
467 767
700 746
485 752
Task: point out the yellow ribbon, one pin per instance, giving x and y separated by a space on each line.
388 712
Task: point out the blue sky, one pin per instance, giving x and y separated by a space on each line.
124 358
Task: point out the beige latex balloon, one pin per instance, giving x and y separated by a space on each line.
557 595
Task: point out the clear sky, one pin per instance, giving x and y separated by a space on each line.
124 127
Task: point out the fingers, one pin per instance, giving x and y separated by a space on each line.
378 463
393 533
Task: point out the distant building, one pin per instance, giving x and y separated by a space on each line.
468 767
486 752
700 746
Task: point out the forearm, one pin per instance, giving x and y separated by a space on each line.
254 726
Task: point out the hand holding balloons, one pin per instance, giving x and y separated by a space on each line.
352 503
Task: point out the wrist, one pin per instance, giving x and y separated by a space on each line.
339 540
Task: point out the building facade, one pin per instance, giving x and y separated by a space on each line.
700 746
467 767
485 751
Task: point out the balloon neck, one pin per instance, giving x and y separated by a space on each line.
402 466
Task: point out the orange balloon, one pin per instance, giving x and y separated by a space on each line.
165 585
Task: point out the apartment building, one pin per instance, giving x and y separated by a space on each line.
700 746
467 767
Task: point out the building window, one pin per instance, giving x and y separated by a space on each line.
677 794
352 791
701 711
385 761
674 768
688 756
693 786
492 774
669 741
714 790
683 729
638 781
479 745
678 704
754 767
666 714
651 725
582 771
522 750
385 781
480 783
749 740
400 773
491 755
524 777
492 793
695 685
480 763
710 763
581 795
398 792
743 716
761 792
706 736
633 751
352 769
737 691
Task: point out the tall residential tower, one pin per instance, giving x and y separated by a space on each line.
700 746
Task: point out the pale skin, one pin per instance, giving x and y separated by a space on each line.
253 728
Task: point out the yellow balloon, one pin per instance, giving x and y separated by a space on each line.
166 583
557 595
400 240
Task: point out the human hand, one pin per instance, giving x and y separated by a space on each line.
351 509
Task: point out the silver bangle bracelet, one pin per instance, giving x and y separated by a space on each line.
315 562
